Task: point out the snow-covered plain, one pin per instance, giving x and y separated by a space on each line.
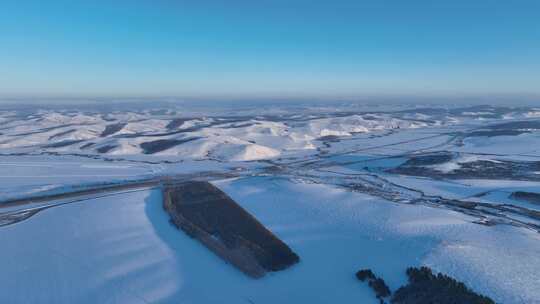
320 178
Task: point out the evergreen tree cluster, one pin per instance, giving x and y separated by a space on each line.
377 284
424 287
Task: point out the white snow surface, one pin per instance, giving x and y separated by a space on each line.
134 256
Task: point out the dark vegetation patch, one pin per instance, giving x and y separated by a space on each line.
105 149
377 284
63 143
424 287
159 145
177 122
207 214
112 128
235 126
62 133
484 169
87 145
108 118
330 138
530 197
429 159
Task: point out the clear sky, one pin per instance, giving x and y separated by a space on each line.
266 48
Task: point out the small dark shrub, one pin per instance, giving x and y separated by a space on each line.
365 274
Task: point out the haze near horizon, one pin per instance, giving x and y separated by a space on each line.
269 49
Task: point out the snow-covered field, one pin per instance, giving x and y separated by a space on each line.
133 255
346 188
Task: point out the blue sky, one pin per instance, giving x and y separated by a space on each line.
278 48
